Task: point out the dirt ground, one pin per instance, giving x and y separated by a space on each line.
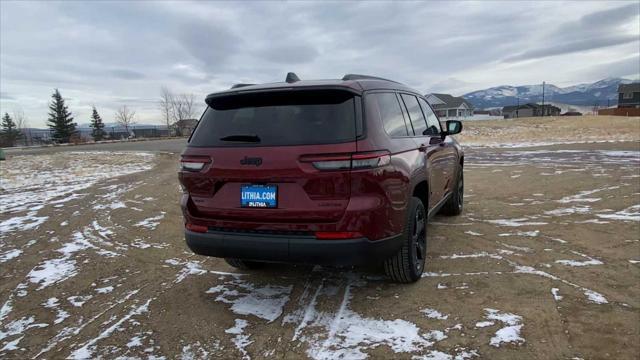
543 263
550 130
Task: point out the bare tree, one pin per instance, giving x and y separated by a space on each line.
125 117
21 123
167 100
183 107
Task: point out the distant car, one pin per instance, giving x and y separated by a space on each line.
337 172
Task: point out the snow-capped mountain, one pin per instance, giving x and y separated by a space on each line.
599 93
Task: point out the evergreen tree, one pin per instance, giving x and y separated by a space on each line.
60 119
10 132
97 125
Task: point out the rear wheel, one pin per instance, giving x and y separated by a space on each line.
244 264
407 265
453 206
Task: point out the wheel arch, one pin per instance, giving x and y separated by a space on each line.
421 191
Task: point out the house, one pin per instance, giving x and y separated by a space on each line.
629 95
450 107
184 127
530 110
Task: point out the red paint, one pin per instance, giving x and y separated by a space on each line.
370 202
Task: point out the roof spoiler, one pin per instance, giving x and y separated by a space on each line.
364 77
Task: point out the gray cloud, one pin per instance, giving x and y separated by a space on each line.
127 74
574 46
111 53
209 43
6 96
289 54
592 31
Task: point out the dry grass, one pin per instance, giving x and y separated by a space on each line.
551 130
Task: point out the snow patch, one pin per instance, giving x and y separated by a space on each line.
510 333
265 302
434 314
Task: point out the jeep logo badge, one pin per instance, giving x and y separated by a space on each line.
251 161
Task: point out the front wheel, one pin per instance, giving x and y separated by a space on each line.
453 206
407 264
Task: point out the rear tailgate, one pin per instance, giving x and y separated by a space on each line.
267 137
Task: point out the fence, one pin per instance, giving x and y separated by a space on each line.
32 136
620 111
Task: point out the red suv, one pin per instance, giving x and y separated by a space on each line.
334 172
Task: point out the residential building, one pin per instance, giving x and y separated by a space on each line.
530 110
184 127
449 107
629 95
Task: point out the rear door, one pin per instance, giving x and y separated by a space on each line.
260 145
448 159
433 155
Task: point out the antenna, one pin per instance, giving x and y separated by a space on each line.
292 77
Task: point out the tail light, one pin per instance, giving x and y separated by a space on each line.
337 235
355 161
194 163
196 228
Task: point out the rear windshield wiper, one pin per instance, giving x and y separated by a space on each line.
242 138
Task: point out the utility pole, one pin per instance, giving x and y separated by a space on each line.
542 98
518 107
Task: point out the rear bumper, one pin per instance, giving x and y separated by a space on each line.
292 249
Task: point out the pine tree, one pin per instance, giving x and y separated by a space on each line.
10 132
60 120
97 125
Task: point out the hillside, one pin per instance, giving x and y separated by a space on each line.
601 93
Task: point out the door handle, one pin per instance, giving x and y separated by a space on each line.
422 148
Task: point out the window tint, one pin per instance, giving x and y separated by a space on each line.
278 118
433 125
415 114
390 113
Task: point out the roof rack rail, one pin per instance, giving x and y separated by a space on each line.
364 77
235 86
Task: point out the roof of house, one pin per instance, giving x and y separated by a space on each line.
450 101
626 88
527 106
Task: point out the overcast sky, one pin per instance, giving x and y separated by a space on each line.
108 53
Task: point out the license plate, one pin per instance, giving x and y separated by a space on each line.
259 196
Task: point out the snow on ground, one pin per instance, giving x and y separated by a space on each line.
434 314
510 332
515 222
240 340
265 302
30 183
578 263
631 213
152 222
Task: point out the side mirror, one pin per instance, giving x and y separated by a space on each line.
454 127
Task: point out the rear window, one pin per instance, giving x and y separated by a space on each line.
278 118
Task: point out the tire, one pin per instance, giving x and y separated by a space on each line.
407 265
454 205
244 264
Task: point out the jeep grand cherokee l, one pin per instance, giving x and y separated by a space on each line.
337 172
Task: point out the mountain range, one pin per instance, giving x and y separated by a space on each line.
601 93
